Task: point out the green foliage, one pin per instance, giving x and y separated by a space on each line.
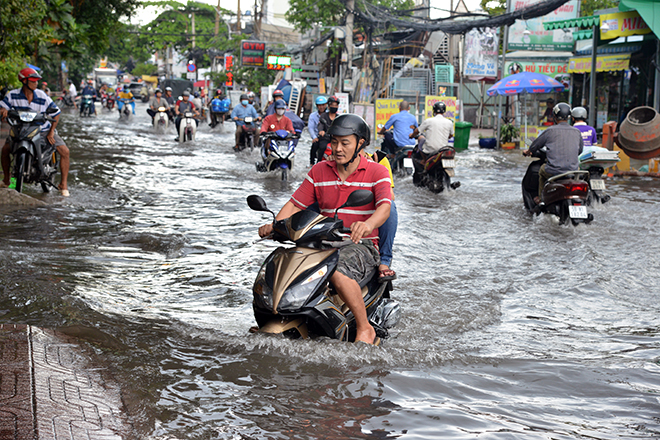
145 69
493 7
589 7
508 133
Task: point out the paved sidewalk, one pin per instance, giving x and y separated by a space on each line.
48 390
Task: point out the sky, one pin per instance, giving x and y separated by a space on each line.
145 15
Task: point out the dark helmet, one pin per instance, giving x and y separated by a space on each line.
196 94
280 104
579 113
28 74
439 108
278 94
561 111
244 97
348 124
333 99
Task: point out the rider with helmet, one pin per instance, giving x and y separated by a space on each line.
277 95
89 90
125 95
563 145
183 106
156 102
28 97
239 114
325 121
313 124
436 130
589 137
329 184
252 99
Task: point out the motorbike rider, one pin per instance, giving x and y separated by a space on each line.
239 113
563 145
278 121
437 132
252 99
219 108
73 92
44 87
325 121
90 91
181 107
277 95
400 135
28 97
156 102
125 94
329 183
312 127
589 137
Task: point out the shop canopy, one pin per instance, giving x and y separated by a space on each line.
649 10
604 63
585 25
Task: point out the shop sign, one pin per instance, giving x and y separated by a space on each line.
557 71
604 63
253 53
450 102
622 24
531 35
481 51
385 108
229 63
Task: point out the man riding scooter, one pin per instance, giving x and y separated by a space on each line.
125 95
563 145
89 90
400 124
436 130
239 114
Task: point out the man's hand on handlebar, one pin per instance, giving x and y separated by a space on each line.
359 230
266 230
527 153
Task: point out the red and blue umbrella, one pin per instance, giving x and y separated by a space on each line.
525 82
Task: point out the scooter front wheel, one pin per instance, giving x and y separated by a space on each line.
284 174
21 160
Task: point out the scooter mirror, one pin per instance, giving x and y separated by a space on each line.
256 203
358 197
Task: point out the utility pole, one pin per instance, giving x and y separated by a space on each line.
217 20
505 48
350 5
193 29
238 17
592 79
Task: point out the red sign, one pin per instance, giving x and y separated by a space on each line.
229 63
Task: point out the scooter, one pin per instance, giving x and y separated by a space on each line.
35 161
278 150
595 160
161 120
217 118
110 101
402 163
247 137
187 127
86 105
125 112
65 99
565 195
436 171
292 293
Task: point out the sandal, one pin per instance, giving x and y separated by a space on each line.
386 275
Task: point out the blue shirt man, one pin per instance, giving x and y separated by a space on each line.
243 110
400 123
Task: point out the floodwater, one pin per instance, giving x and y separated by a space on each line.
512 327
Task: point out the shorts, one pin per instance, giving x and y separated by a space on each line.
357 261
44 134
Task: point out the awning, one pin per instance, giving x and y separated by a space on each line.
581 22
610 49
649 10
604 63
585 34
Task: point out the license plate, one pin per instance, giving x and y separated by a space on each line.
448 163
597 184
577 211
407 162
283 151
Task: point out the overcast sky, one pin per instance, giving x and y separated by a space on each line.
145 15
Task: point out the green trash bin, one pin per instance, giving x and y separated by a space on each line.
462 135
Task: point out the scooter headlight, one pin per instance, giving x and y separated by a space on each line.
263 294
27 116
296 296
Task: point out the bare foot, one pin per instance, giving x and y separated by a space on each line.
367 336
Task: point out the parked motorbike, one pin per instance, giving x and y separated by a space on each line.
595 160
161 120
86 105
249 131
292 293
565 195
436 171
187 127
34 160
278 150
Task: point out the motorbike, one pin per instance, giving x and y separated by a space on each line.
109 101
65 99
217 118
292 295
436 171
247 137
187 127
565 195
161 120
86 105
35 161
402 163
595 160
278 150
125 112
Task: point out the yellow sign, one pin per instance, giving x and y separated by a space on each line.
450 102
622 24
386 108
604 63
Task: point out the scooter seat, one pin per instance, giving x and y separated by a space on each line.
571 175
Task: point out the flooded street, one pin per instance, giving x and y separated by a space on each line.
512 326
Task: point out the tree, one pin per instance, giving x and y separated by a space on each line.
589 7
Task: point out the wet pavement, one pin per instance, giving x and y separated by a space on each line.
512 326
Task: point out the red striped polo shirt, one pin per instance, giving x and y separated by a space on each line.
324 185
